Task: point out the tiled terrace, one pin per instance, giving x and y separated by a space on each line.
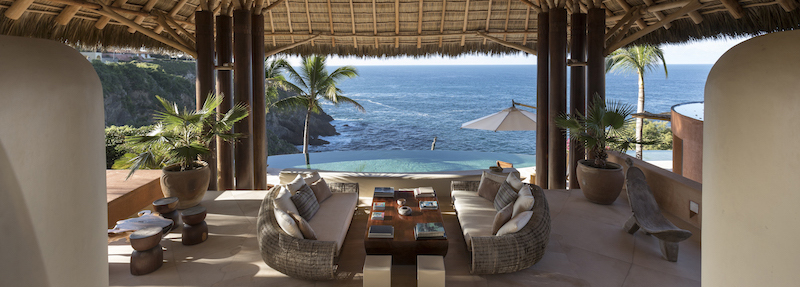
587 248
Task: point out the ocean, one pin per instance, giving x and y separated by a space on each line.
407 106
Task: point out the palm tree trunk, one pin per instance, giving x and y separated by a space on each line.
305 134
640 121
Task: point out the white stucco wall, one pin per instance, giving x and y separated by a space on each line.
751 185
52 167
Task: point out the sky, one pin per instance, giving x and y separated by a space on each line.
701 52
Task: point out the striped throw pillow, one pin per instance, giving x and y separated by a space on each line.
505 196
306 202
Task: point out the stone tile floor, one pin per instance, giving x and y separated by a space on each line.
587 248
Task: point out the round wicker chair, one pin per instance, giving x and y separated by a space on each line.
296 257
515 251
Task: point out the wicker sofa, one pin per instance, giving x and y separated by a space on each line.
305 258
491 254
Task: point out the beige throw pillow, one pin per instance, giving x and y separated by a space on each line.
321 190
514 181
488 187
524 201
296 184
311 177
288 224
283 201
501 218
304 227
505 196
515 224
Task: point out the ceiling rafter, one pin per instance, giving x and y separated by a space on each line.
419 25
507 44
107 11
466 17
67 14
692 6
353 21
658 14
441 25
147 8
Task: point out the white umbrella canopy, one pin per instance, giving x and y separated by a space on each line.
510 119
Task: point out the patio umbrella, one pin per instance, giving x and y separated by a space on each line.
510 119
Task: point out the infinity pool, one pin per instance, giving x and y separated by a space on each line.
400 160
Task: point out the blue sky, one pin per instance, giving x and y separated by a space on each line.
701 52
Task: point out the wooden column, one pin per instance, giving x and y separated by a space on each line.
259 106
243 94
224 88
557 160
542 96
204 25
577 97
595 62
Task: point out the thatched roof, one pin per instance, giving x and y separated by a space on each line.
391 27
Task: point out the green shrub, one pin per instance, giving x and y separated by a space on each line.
115 138
656 133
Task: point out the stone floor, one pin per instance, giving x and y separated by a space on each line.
587 248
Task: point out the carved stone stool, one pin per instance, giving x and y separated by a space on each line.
167 207
195 229
147 255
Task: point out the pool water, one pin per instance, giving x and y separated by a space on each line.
417 160
400 160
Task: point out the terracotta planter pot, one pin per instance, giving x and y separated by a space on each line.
601 186
188 186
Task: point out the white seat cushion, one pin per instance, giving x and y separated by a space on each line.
475 214
333 218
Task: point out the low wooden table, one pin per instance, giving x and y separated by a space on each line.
403 247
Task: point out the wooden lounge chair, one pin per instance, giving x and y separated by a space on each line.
648 217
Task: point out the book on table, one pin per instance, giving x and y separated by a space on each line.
381 231
379 206
377 215
429 230
384 192
429 205
426 191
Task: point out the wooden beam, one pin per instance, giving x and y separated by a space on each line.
67 14
692 6
270 6
353 21
107 11
271 22
627 7
180 29
441 25
419 25
625 19
625 29
466 17
162 20
527 21
392 35
507 44
330 19
734 8
696 17
259 8
308 17
147 8
532 5
397 23
18 8
508 14
488 17
103 21
788 5
172 12
659 15
288 20
287 47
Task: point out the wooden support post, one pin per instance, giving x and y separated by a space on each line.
577 97
595 60
259 107
204 32
243 95
224 88
557 161
542 96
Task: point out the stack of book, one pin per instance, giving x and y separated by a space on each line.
428 205
377 215
381 231
424 192
378 206
384 192
430 230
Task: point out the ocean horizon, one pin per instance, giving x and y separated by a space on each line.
407 106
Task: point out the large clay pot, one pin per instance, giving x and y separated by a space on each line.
599 185
188 186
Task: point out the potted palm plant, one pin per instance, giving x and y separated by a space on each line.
601 129
184 137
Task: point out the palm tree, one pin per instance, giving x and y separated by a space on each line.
312 84
274 78
639 59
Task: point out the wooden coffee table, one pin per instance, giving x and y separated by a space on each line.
403 247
